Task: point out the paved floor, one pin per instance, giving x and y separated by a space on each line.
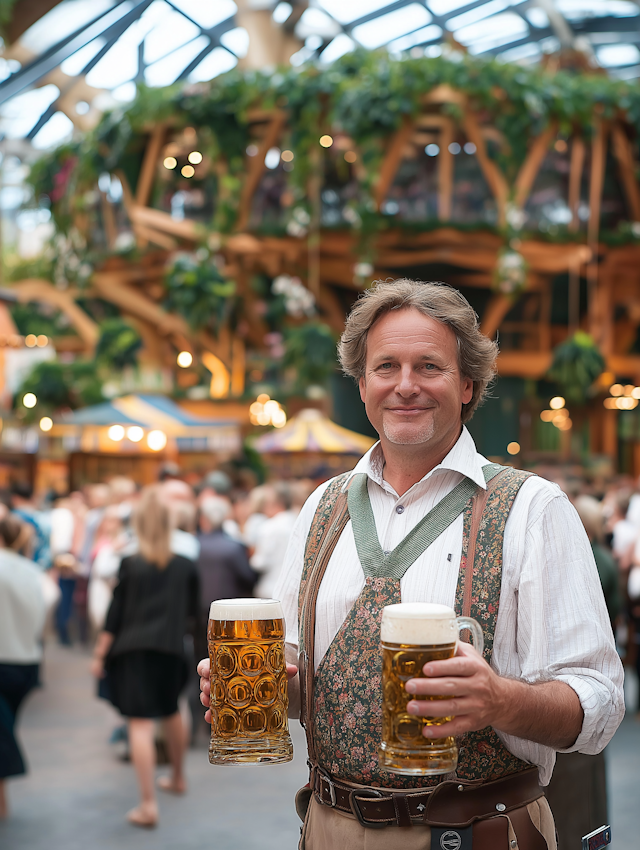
77 793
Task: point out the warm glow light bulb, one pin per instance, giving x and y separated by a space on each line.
156 440
513 448
556 403
135 433
184 359
42 340
326 141
187 171
116 433
170 162
46 423
195 157
30 340
29 400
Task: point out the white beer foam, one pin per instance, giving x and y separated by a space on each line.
245 609
419 623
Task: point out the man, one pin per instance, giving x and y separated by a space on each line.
515 556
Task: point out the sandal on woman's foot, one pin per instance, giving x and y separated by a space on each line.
165 783
144 817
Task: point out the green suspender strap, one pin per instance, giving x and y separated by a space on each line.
379 564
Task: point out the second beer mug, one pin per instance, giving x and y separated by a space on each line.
412 634
249 699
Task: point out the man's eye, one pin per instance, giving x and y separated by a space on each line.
386 366
430 366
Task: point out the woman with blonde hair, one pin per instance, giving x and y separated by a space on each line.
155 603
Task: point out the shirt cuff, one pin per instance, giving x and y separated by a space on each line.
592 739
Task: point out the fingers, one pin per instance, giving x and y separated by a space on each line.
203 668
435 708
292 671
207 715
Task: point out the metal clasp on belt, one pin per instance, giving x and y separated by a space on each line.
325 777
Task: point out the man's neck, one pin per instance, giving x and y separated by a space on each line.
406 465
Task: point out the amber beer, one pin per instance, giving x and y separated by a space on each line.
412 634
249 699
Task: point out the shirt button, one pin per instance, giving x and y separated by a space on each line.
400 509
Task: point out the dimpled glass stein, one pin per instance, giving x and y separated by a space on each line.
411 635
249 698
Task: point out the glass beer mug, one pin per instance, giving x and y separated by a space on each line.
411 635
249 698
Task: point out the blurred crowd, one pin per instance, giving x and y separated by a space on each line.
173 546
132 571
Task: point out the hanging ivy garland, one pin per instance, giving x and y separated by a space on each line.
364 94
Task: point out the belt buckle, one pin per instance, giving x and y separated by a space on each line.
355 806
325 777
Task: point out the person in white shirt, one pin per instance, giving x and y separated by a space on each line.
551 681
26 594
272 537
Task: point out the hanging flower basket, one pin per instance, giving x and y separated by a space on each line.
510 276
576 365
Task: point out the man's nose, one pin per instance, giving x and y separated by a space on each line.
407 384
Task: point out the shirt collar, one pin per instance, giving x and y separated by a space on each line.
463 458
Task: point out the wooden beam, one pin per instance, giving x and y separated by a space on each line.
492 174
471 258
162 221
110 287
524 364
623 152
392 160
150 164
529 171
256 167
546 257
576 166
109 220
494 313
148 234
36 289
596 184
445 172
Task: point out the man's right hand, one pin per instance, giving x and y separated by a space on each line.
204 672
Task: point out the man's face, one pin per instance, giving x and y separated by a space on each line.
412 389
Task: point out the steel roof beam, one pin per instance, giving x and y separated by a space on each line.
103 24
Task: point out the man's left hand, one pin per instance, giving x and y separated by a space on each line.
473 693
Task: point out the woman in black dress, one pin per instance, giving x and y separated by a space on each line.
155 603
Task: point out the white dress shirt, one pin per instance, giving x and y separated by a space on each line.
552 621
272 541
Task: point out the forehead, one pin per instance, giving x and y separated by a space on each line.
410 331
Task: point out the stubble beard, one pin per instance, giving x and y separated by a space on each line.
394 434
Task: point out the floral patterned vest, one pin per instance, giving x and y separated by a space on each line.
344 725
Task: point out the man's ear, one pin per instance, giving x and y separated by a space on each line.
362 386
467 390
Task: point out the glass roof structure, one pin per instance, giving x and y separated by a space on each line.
85 56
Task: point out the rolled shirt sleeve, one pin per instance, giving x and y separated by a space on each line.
553 622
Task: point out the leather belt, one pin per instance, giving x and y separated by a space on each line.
451 803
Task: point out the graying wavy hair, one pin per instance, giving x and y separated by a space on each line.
476 353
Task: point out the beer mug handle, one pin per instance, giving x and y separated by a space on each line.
476 632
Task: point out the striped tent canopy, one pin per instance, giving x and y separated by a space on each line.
311 431
149 411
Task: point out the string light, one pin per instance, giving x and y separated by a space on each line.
287 156
135 433
267 411
184 359
326 141
170 162
556 403
42 340
116 433
156 440
195 157
187 171
31 340
46 423
350 156
513 448
29 400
